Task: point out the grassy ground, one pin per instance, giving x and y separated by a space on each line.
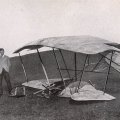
38 108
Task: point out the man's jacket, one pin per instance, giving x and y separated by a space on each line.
4 63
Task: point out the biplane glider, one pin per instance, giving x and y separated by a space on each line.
85 44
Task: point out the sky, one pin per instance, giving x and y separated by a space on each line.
23 21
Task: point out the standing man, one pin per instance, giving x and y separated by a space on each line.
4 71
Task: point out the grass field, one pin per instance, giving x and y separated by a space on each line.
33 107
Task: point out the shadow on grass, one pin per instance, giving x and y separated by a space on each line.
73 102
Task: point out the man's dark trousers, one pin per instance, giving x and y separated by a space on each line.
6 76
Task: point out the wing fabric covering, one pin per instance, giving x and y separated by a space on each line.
86 92
81 44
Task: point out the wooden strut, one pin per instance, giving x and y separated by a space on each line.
58 67
97 63
23 68
83 70
43 67
75 58
88 61
64 63
108 73
109 59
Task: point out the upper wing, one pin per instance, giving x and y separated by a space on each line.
81 44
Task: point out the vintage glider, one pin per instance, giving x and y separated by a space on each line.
85 44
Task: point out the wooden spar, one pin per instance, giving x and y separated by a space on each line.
43 67
59 67
23 68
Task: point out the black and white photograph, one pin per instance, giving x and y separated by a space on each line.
59 59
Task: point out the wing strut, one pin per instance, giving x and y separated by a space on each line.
65 63
109 59
83 70
43 67
108 72
97 64
58 67
75 58
23 68
88 61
